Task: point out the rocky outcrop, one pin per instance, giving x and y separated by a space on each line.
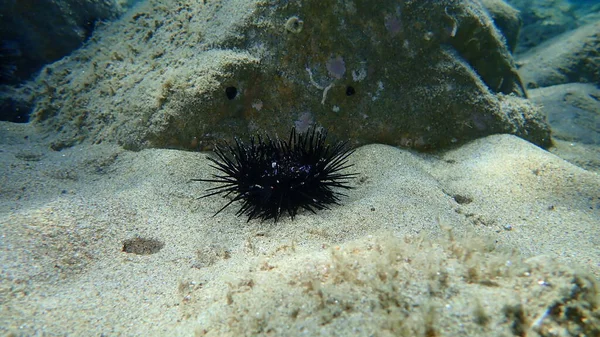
563 75
507 19
545 19
423 75
34 33
573 110
571 57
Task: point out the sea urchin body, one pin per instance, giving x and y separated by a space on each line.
272 176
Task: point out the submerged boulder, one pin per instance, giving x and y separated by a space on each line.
507 19
573 111
546 19
419 74
35 33
569 58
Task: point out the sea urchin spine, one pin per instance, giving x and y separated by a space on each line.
271 176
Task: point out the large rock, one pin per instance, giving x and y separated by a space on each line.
424 75
507 19
573 112
34 33
571 57
545 19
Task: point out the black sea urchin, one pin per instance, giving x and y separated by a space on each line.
271 176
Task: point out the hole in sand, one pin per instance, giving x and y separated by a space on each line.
462 199
141 246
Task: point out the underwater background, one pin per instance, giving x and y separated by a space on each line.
475 209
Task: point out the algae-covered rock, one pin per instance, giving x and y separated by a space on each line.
419 74
507 19
571 57
545 19
573 111
34 33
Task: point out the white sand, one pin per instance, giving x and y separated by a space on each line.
383 263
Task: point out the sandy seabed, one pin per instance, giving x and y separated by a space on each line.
495 238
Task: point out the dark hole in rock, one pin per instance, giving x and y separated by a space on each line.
350 91
141 246
461 199
88 28
231 92
14 111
